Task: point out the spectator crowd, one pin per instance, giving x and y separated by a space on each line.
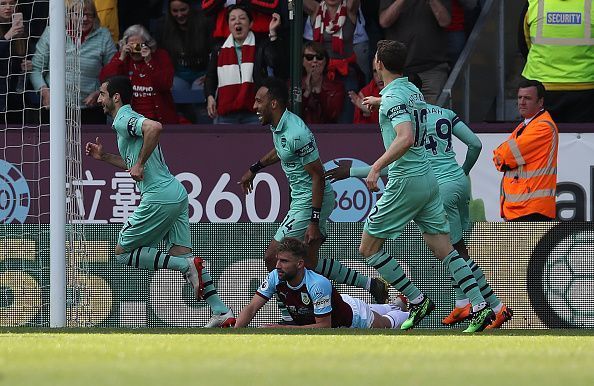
201 61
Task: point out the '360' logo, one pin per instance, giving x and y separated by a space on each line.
14 194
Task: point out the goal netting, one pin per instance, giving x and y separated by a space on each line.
26 173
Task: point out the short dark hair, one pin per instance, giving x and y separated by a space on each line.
540 90
277 89
294 246
120 84
392 54
243 7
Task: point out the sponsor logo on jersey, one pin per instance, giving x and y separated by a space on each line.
307 149
397 111
131 126
322 302
264 284
564 18
305 298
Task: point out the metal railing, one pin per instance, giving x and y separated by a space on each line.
476 86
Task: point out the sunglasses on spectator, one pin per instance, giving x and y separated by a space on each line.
312 56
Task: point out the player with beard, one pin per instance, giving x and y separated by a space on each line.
163 211
311 299
312 197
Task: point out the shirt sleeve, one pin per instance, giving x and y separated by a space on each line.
396 110
305 147
130 126
268 286
321 296
465 134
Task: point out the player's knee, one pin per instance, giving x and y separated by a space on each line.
119 250
366 250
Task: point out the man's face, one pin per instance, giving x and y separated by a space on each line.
105 100
287 265
239 24
528 102
263 106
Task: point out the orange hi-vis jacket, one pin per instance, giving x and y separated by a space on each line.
528 159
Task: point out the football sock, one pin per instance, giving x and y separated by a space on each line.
211 296
153 259
498 307
462 274
457 291
334 270
485 288
397 317
462 303
392 272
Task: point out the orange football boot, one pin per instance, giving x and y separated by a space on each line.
504 314
458 314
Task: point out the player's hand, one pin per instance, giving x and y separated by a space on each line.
95 150
247 182
273 325
371 179
137 172
372 102
341 172
312 233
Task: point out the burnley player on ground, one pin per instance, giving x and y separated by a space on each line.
311 299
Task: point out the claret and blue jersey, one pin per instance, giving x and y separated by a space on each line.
314 296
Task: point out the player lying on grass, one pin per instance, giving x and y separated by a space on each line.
311 299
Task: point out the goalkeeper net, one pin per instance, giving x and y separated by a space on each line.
25 169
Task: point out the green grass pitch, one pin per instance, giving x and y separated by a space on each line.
95 357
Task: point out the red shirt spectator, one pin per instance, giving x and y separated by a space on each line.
150 71
362 112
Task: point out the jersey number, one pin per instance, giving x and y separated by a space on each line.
420 120
443 129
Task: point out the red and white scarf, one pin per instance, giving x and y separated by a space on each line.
236 82
333 26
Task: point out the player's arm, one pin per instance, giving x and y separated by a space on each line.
344 170
247 179
316 172
404 140
95 150
321 322
471 140
247 314
151 131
